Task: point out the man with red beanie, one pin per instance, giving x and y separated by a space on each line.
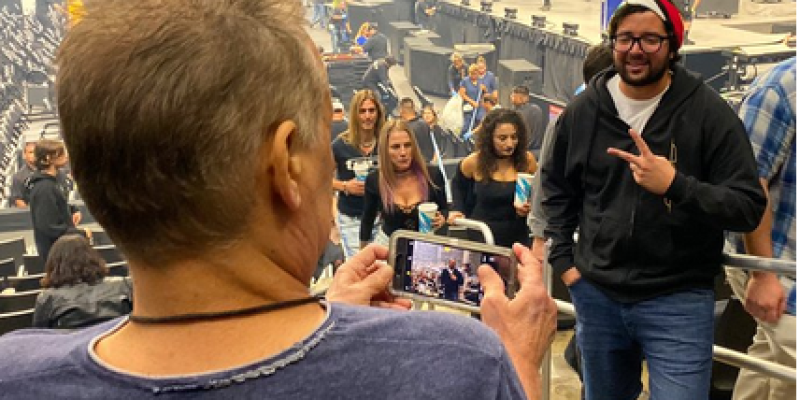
651 166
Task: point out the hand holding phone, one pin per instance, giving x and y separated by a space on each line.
364 280
443 270
526 325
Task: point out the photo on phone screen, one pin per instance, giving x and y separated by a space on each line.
445 272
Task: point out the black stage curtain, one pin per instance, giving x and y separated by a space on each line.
559 56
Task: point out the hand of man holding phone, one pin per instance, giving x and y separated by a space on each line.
364 280
526 325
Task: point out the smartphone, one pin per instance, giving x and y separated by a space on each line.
444 270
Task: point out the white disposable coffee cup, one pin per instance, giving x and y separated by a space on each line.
427 212
522 191
361 170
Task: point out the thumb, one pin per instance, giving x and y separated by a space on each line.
380 278
491 282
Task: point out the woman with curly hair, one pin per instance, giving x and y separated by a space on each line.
483 188
77 292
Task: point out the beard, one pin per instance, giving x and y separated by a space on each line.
656 69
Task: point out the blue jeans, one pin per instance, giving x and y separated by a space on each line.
349 229
474 123
319 16
674 333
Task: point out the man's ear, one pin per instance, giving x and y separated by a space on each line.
285 165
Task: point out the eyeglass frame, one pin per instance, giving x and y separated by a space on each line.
635 40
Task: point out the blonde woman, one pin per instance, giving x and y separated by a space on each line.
456 73
471 91
400 184
355 145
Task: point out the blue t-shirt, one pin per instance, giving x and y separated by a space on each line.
356 353
473 89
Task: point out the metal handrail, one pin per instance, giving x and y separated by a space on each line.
743 261
488 237
721 354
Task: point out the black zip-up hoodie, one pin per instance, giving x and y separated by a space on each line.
50 213
633 244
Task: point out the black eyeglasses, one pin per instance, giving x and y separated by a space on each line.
649 43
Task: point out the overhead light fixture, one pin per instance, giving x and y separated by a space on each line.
486 6
538 21
465 3
511 13
570 29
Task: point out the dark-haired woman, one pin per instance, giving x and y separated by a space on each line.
51 215
483 188
77 292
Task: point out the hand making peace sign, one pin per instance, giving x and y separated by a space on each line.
652 172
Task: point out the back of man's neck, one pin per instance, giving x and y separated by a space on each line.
200 287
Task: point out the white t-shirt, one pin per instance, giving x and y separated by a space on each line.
635 113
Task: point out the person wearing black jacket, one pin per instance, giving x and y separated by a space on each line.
51 215
456 73
376 78
651 209
77 289
377 45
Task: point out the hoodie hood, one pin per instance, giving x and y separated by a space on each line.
36 177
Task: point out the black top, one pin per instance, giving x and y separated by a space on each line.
349 205
18 191
50 213
377 46
398 219
491 202
451 284
455 76
20 180
634 244
377 73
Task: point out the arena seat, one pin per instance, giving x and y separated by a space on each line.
25 283
15 320
18 301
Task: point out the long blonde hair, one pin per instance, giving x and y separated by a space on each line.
387 178
355 135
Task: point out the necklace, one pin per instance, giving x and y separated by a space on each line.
194 317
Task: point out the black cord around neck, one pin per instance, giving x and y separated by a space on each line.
265 308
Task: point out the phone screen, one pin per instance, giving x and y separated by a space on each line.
445 272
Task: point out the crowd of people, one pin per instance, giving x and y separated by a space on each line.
230 214
224 224
651 205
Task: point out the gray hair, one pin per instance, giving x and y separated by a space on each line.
164 105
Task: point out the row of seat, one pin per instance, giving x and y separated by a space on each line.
15 264
28 44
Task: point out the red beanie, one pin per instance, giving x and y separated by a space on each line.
666 11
